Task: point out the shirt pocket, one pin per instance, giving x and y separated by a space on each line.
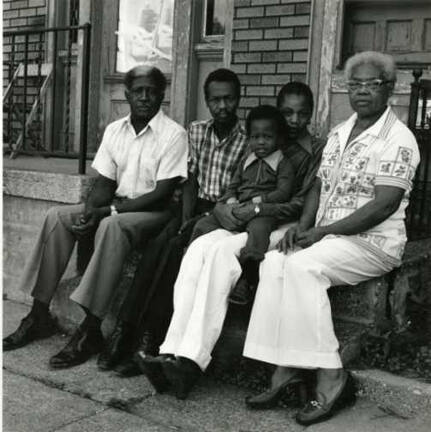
147 173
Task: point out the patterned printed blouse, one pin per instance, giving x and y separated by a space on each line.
386 154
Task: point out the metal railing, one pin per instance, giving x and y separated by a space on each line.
46 83
419 122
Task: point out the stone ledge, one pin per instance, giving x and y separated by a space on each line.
56 187
404 396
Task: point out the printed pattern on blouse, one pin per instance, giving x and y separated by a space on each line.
386 154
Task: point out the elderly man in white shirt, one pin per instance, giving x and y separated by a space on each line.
140 160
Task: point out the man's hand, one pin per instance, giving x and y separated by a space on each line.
88 222
244 212
223 213
289 239
307 238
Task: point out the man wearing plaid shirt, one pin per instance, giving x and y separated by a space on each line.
215 148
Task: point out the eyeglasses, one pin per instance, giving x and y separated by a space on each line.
374 84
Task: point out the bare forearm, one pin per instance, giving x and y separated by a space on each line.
162 192
366 217
311 206
102 193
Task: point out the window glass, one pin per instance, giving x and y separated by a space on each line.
214 17
145 34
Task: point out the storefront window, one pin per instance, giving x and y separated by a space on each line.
145 34
214 17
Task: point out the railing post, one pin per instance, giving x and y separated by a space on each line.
25 91
84 98
414 99
53 91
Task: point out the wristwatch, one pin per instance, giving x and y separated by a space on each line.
256 209
114 210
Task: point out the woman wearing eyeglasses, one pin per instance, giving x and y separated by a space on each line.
351 229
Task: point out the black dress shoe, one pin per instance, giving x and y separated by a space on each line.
151 367
32 327
118 347
128 368
321 409
243 293
183 373
83 344
269 398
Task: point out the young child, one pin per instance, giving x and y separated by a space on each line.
262 176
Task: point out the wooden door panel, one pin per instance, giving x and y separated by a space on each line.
400 29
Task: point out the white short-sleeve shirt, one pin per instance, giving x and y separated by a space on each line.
137 162
386 154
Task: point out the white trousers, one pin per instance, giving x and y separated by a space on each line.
208 272
291 322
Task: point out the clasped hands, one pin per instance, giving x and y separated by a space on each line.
88 222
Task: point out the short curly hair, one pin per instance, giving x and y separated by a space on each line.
384 62
297 88
223 75
143 70
267 112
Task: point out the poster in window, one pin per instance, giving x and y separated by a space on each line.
145 34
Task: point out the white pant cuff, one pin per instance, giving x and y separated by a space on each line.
293 358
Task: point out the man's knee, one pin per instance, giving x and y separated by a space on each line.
273 259
108 223
53 213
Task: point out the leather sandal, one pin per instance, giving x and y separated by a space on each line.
321 409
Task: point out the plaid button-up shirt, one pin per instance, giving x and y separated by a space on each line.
212 161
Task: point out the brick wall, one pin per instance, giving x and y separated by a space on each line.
269 47
22 15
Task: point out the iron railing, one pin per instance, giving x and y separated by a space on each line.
46 84
419 211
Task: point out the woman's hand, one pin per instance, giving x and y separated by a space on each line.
306 238
289 239
244 212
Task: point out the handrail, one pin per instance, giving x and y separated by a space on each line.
44 30
14 77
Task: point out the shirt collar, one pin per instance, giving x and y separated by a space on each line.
305 143
378 129
155 124
272 160
233 133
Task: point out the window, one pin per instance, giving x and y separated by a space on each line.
215 17
144 33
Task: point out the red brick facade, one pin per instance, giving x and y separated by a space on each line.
269 47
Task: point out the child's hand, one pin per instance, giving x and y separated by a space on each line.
244 212
232 200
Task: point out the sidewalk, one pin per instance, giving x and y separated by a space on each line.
84 399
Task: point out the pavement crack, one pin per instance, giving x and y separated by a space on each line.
78 419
